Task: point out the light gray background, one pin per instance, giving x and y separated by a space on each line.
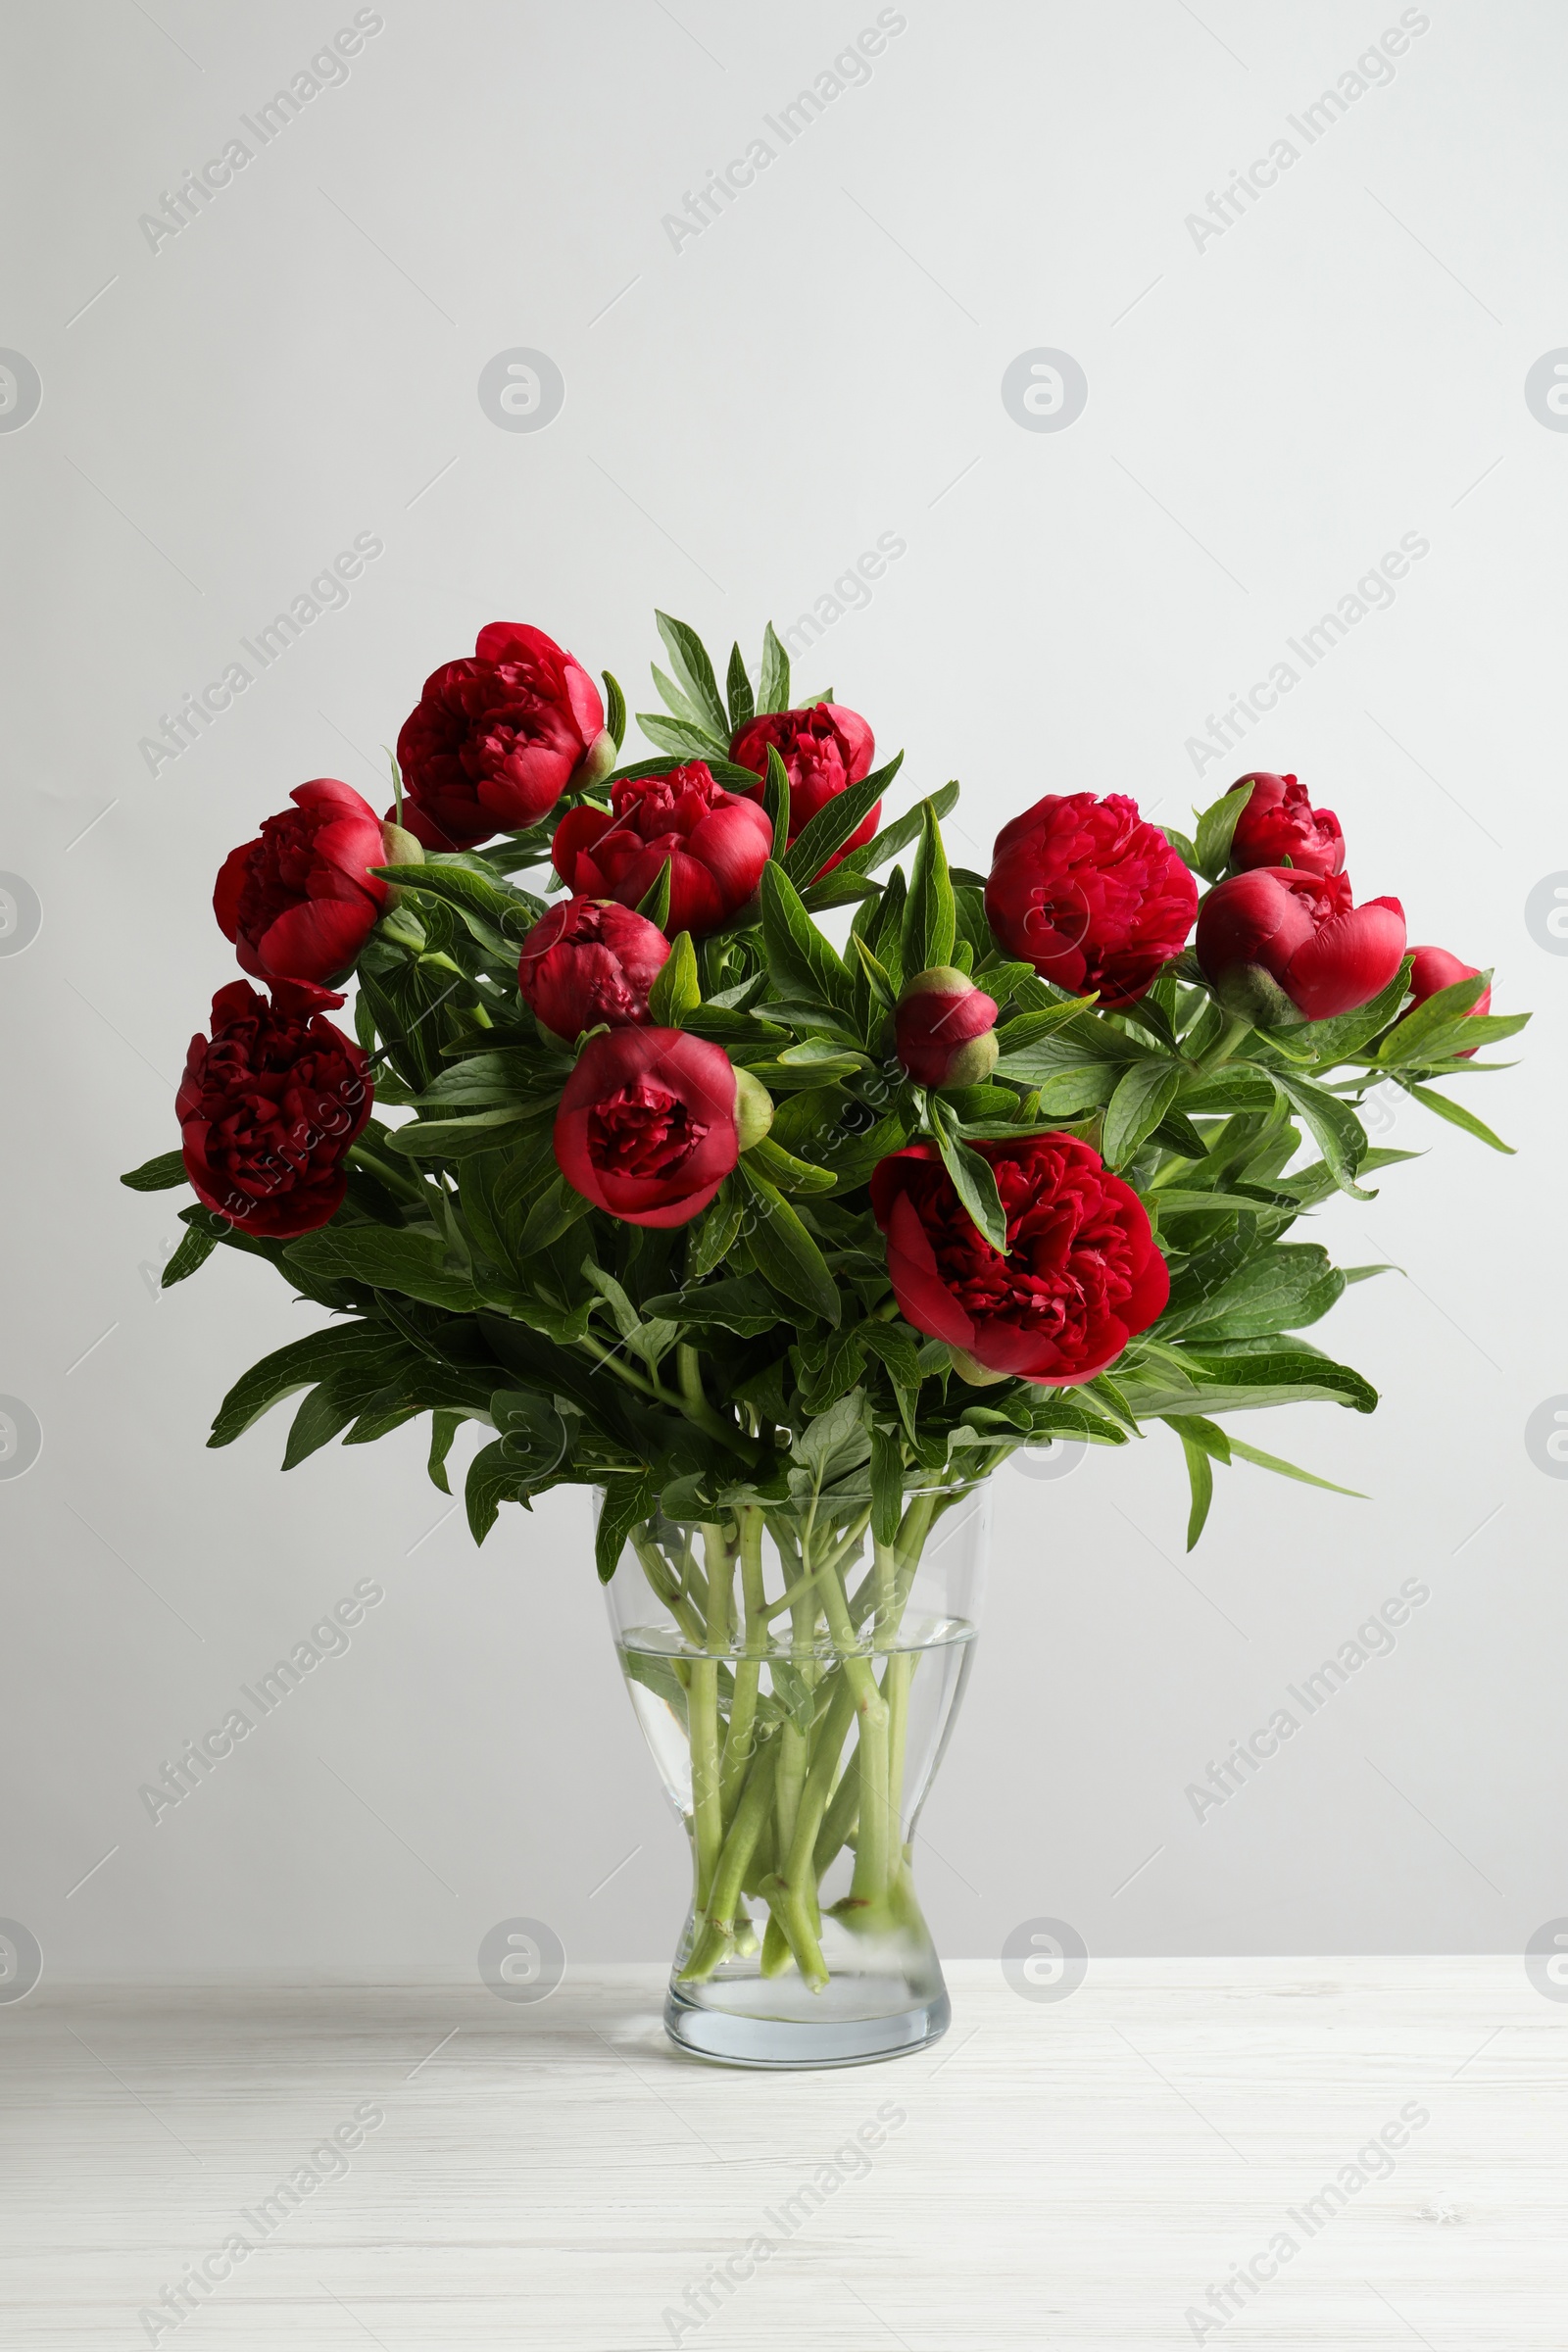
1266 415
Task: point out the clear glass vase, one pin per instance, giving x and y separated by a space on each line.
796 1678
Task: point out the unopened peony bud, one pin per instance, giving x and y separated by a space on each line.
826 749
495 741
1278 946
589 962
399 847
944 1029
1432 968
600 762
1279 822
301 899
714 842
753 1109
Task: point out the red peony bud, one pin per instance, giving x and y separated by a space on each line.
590 961
494 742
299 901
715 841
1272 940
824 749
1433 968
943 1030
1278 823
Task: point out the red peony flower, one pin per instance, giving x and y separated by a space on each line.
590 961
943 1030
647 1128
823 750
1278 823
1432 969
1090 895
1273 939
718 844
268 1107
494 741
1082 1276
299 901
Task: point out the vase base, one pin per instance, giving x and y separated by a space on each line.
728 2037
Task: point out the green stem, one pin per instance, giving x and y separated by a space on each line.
781 1944
799 1590
1230 1037
632 1378
716 1935
839 1821
896 1683
708 1824
873 1854
721 1568
688 1366
396 1180
738 1740
799 1894
695 1409
677 1603
885 1588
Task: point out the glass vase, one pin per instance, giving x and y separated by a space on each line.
796 1678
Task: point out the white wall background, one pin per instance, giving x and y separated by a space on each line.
1266 415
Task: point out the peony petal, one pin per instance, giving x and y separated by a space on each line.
528 787
924 1298
578 832
1351 955
516 641
441 832
328 794
345 855
231 879
1116 1340
1252 918
695 903
585 701
734 842
317 940
675 1213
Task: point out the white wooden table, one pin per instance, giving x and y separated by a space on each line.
1068 2174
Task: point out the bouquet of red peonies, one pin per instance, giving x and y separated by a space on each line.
770 1218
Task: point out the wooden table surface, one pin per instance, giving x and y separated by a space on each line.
1070 2173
